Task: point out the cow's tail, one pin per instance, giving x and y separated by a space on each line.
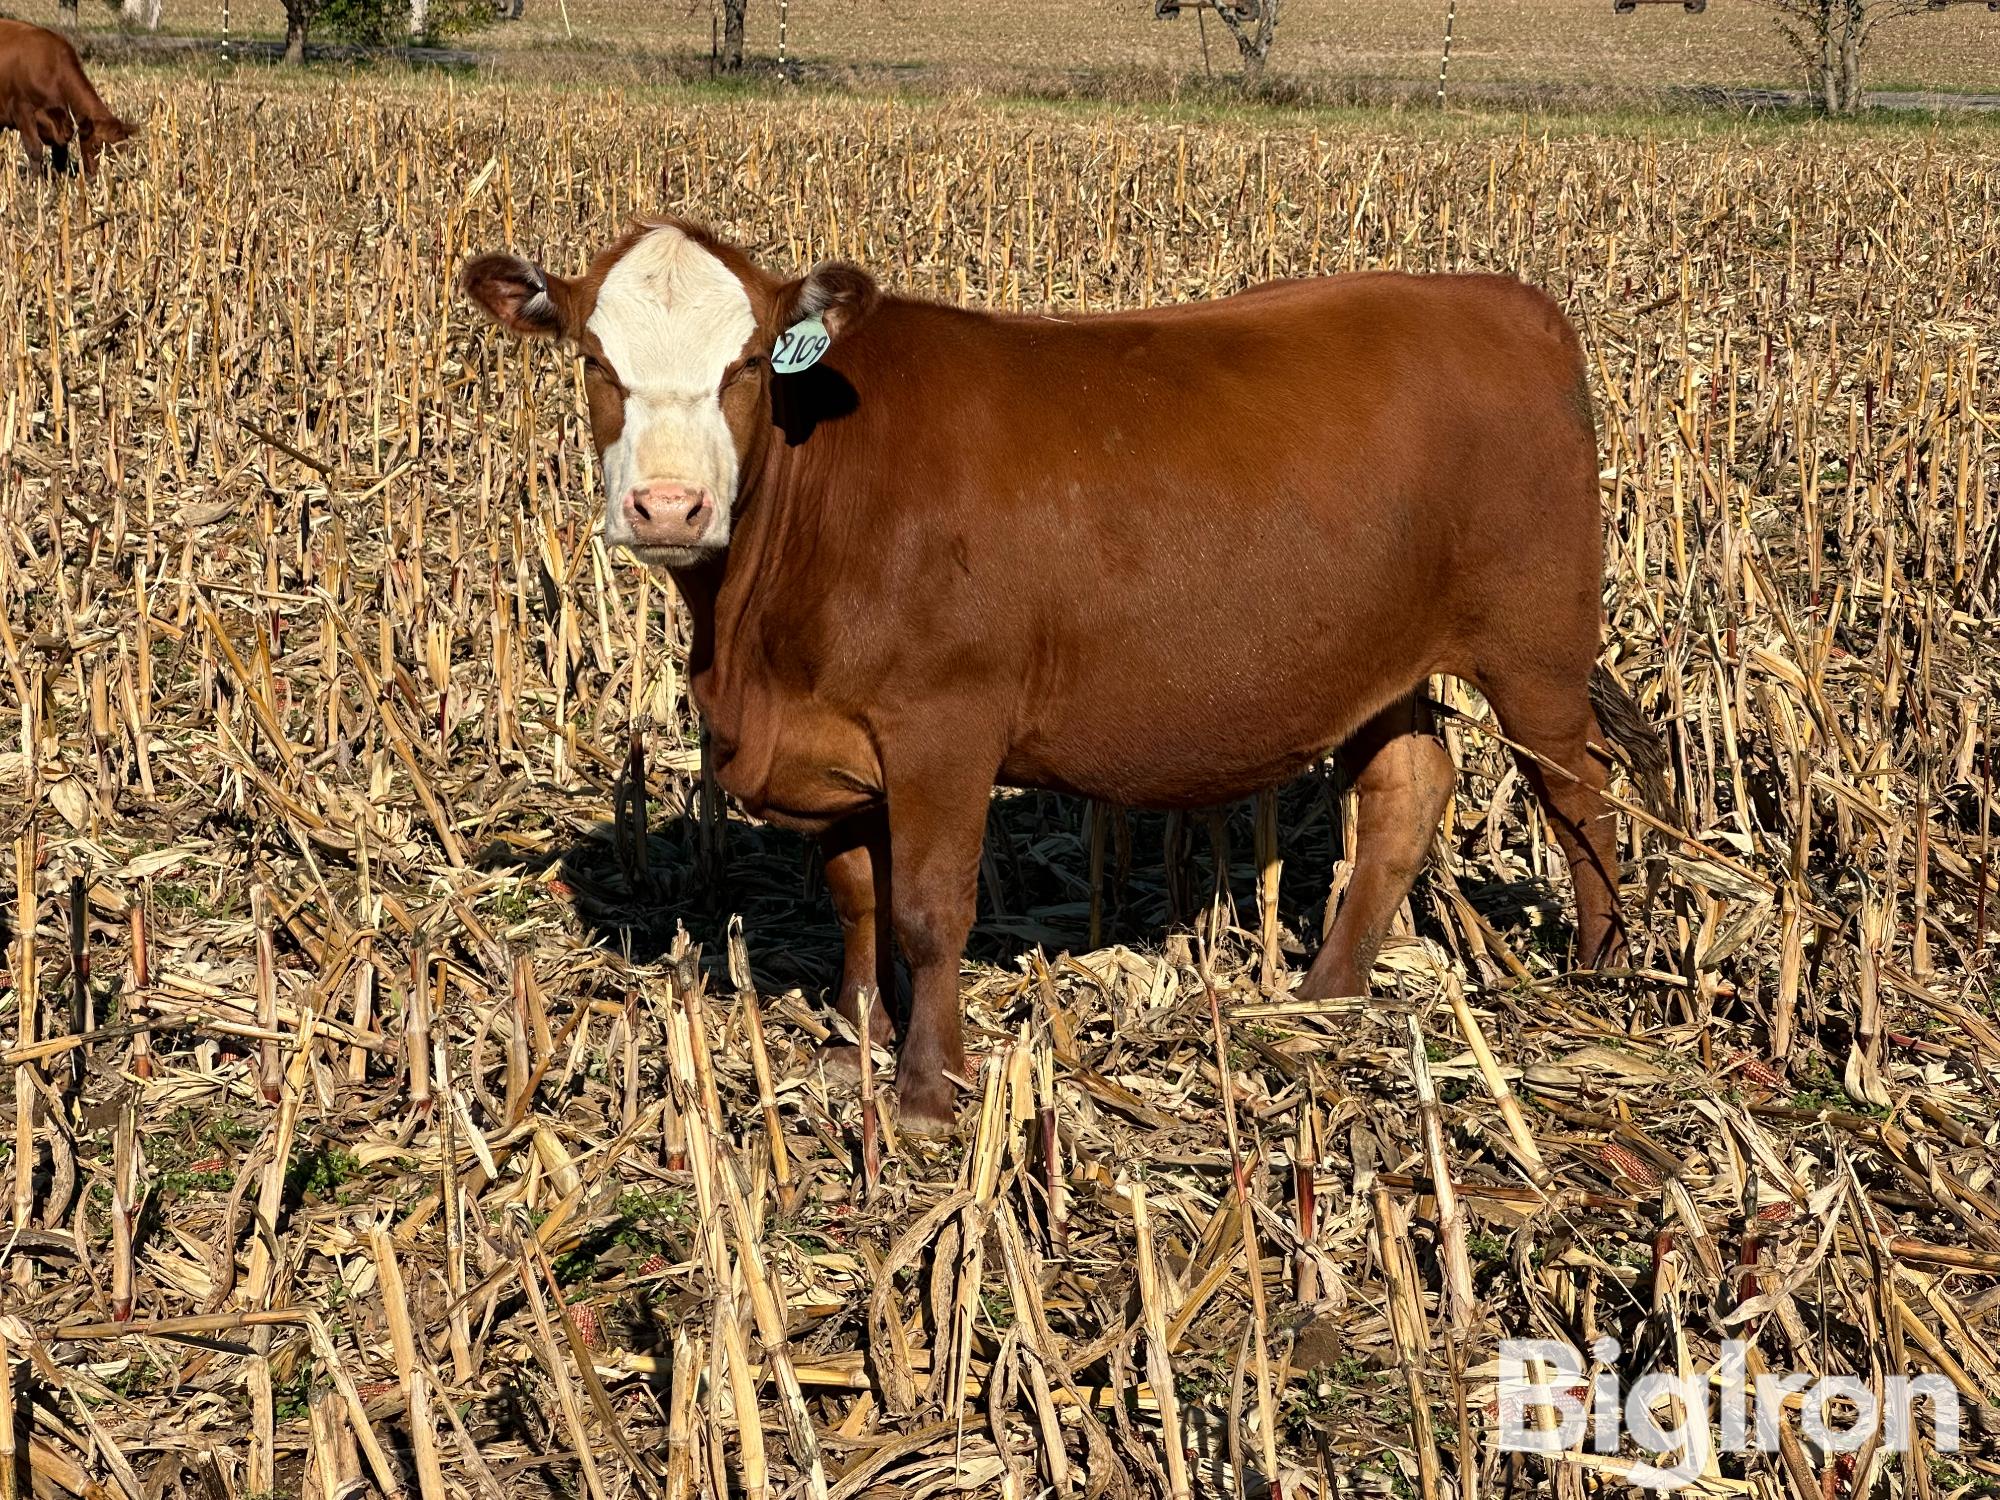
1626 726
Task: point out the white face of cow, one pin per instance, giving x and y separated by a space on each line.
672 323
675 329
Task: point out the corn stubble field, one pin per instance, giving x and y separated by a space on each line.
391 1136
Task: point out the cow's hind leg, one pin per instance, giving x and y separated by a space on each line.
1403 777
1549 713
857 877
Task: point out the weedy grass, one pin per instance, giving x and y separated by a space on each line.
423 1148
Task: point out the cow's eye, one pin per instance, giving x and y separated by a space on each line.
592 365
750 366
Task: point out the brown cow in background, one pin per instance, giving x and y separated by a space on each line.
44 95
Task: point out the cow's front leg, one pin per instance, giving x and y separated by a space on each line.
857 877
52 132
31 140
937 820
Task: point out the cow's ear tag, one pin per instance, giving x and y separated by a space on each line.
800 346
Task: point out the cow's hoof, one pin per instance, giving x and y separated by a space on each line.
842 1061
1346 988
926 1112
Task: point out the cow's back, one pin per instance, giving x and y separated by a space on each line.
40 70
1299 402
1307 496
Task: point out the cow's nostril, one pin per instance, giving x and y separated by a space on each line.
666 514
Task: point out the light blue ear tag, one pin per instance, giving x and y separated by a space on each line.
800 346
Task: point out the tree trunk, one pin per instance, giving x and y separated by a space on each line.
1253 32
295 31
420 14
1850 69
1826 75
1829 38
732 34
66 11
1839 27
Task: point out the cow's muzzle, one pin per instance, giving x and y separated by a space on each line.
657 514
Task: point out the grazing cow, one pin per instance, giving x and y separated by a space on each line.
1164 558
44 95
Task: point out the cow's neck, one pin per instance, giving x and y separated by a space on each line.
716 596
775 496
698 586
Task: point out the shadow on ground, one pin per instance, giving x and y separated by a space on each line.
1034 882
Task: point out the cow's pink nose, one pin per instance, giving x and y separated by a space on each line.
666 515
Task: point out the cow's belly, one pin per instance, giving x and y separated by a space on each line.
1163 783
1139 729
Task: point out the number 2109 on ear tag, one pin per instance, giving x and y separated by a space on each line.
800 346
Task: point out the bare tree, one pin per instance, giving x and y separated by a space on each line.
1829 37
1254 23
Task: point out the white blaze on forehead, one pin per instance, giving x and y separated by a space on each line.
671 318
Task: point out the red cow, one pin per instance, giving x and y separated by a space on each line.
44 95
1164 558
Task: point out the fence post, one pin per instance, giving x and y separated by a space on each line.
1444 63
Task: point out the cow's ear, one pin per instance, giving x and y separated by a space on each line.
518 295
838 294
